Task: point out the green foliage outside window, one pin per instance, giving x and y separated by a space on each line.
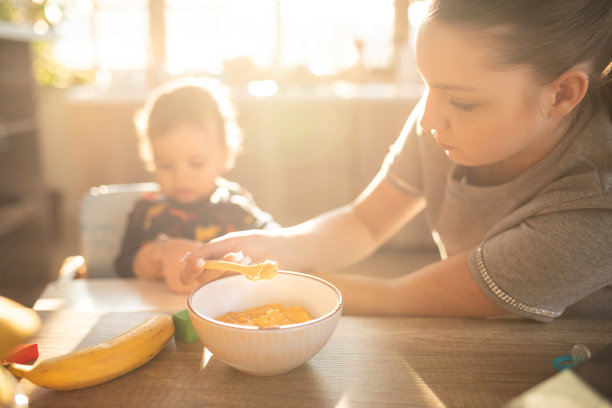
47 71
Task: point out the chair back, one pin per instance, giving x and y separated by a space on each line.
103 216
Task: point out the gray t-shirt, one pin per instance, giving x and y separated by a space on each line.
539 245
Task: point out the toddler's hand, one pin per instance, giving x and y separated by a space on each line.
170 252
147 262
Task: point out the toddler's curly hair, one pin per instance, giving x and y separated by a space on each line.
197 101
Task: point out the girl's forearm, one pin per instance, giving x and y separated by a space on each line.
332 240
348 234
444 288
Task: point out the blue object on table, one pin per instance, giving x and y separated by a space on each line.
580 354
562 362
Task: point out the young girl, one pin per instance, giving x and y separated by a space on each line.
510 154
188 139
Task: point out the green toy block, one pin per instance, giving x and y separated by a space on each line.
183 330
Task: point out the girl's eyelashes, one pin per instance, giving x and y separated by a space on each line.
465 107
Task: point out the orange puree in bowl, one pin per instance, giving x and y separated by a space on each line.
269 315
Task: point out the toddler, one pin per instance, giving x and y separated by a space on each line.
188 139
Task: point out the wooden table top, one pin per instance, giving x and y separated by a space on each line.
368 362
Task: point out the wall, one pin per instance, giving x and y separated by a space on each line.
303 154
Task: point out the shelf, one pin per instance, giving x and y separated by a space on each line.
14 214
16 126
23 209
19 32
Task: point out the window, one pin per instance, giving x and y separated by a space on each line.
324 37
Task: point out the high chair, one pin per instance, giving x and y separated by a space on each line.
102 219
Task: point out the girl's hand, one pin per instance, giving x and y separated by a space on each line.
214 274
258 244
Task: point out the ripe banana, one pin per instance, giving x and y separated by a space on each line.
101 362
17 323
9 389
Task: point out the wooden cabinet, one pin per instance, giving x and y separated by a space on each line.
24 240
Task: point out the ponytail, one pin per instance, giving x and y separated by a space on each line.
603 93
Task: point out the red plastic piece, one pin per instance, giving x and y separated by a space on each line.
22 354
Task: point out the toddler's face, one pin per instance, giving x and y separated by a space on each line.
187 161
479 113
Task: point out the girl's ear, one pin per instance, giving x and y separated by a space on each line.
567 91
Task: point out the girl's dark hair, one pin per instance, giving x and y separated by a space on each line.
551 36
201 102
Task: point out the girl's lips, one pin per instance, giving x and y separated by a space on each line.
443 146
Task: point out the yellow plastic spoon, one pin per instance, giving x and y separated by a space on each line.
264 270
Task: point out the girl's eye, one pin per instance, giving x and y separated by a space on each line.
465 107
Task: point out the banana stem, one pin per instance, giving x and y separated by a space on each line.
18 370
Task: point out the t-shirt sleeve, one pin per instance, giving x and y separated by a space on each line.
547 262
402 165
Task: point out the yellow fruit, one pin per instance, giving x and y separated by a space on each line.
17 324
101 362
10 393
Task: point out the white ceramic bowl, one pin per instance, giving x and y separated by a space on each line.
258 350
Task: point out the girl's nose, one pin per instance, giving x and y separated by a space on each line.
432 117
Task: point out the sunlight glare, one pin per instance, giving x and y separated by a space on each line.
344 89
417 12
428 393
261 89
49 304
205 37
206 357
174 68
41 27
216 68
78 261
21 400
85 6
53 13
344 402
320 68
104 78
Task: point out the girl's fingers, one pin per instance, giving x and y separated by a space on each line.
194 268
186 257
191 271
235 257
